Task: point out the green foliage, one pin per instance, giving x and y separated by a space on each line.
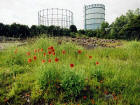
126 26
72 83
73 28
90 33
48 76
72 34
58 83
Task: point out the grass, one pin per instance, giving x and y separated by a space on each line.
115 80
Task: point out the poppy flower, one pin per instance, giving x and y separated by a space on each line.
56 59
97 63
52 50
71 65
115 97
35 57
79 51
63 52
44 54
43 61
35 50
15 51
90 57
29 60
49 52
92 101
41 49
38 50
106 92
51 47
28 53
85 97
49 60
53 53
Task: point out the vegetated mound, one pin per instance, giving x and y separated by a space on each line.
47 72
91 42
88 43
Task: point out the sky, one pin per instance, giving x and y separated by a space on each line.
26 11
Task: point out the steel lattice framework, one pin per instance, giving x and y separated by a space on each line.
55 16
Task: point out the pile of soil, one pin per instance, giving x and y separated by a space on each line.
90 43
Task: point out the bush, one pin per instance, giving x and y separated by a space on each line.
72 83
47 76
73 28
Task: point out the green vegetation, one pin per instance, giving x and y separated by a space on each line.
45 72
124 27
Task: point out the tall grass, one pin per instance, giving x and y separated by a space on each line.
117 75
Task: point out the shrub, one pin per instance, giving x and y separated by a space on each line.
72 83
47 76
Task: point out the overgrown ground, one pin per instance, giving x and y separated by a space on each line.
44 71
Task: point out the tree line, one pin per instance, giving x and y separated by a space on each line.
23 31
124 27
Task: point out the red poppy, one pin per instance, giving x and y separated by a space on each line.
52 50
35 57
49 52
49 60
15 51
56 59
90 57
93 101
97 63
71 65
29 60
43 61
53 53
115 97
51 47
79 51
106 92
63 51
38 50
41 49
28 53
35 50
85 97
44 54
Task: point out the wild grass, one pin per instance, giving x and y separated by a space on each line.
115 80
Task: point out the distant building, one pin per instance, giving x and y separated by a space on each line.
94 15
56 17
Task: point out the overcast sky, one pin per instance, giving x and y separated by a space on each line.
25 11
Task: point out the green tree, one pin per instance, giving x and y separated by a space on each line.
132 29
73 28
24 31
34 30
1 29
104 30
